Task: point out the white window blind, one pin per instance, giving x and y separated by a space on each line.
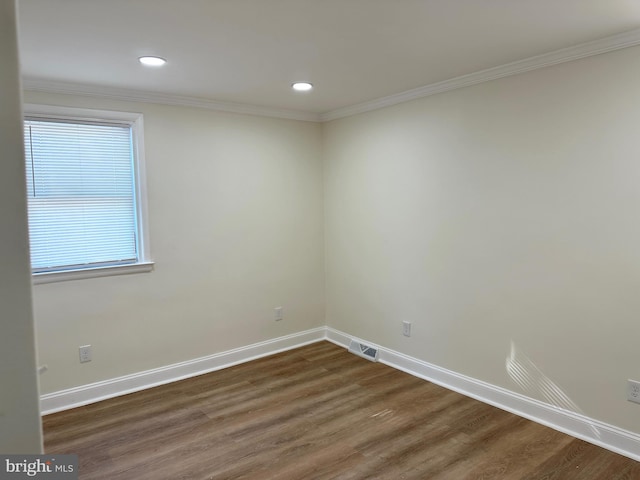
81 197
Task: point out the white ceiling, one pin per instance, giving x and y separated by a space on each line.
250 51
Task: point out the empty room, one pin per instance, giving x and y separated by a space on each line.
320 239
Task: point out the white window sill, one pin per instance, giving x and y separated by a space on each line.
50 277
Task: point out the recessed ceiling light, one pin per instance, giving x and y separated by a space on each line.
302 86
152 61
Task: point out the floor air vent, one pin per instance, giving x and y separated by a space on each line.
364 351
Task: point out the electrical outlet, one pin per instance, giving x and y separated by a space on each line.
406 328
277 313
633 391
85 353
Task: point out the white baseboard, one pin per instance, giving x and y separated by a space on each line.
95 392
580 426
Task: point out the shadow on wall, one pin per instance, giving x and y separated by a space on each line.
534 382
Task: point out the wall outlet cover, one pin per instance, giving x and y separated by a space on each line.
85 353
633 391
406 328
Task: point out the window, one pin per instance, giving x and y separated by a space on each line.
85 186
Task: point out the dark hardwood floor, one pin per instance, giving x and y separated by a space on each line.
317 412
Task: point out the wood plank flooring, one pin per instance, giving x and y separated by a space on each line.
317 412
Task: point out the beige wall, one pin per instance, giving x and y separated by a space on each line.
495 215
19 407
507 212
235 217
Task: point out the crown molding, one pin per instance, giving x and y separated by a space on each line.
583 50
46 86
588 49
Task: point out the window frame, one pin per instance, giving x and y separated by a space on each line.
135 121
